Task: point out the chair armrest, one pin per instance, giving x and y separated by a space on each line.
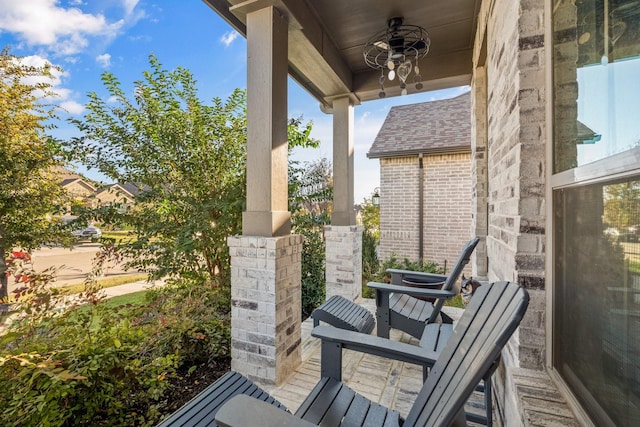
243 410
371 344
415 292
397 276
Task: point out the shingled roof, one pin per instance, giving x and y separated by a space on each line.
428 127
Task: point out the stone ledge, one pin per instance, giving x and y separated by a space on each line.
538 399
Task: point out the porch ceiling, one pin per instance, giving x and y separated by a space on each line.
326 38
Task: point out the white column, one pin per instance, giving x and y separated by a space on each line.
267 67
343 238
266 261
479 171
343 212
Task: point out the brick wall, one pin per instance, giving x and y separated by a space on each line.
516 162
447 198
479 177
447 207
266 311
399 207
343 261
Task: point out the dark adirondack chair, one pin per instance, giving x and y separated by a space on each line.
397 306
495 311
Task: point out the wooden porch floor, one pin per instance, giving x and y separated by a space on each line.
389 383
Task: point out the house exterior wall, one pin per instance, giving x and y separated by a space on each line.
113 196
447 207
79 191
511 116
479 177
516 163
399 207
447 214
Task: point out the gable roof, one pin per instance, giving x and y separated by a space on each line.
428 127
78 181
128 189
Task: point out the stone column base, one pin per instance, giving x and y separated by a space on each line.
344 261
266 308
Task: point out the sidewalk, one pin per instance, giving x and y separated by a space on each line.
111 292
129 288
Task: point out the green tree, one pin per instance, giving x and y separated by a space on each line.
310 195
622 204
187 160
30 193
370 240
371 217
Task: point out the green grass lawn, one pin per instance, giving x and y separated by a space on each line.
455 302
126 303
119 236
135 298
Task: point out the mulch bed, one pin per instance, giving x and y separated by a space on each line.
188 385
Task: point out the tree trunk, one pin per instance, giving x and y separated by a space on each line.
4 282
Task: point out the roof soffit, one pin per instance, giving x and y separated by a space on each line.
326 38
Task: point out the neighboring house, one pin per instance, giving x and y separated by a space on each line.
425 180
92 195
80 189
123 194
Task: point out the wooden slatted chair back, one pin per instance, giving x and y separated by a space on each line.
455 273
494 313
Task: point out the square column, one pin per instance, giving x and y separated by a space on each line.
344 261
479 173
267 67
266 308
343 211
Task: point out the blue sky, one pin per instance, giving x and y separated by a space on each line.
87 37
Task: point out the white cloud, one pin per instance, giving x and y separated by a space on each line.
363 118
59 93
228 38
129 6
64 31
72 107
38 61
104 60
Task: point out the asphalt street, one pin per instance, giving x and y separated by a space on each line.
73 264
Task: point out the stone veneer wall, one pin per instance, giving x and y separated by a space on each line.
343 261
479 177
266 316
447 207
516 163
516 173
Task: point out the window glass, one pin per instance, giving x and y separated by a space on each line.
597 298
596 80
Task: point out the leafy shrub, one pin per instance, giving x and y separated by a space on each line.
101 365
310 195
370 262
313 260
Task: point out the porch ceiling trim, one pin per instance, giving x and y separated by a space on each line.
324 39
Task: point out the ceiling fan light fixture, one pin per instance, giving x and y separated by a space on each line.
396 49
